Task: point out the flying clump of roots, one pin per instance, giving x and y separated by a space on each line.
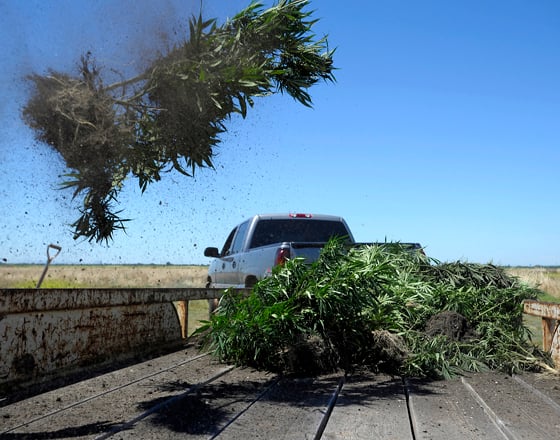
78 118
171 116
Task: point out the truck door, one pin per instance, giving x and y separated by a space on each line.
226 273
221 267
237 251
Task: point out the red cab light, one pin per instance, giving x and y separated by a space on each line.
300 215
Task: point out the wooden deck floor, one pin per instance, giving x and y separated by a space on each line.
189 396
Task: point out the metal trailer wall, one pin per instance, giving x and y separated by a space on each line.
47 332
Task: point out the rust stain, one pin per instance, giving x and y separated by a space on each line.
544 309
182 309
550 321
43 332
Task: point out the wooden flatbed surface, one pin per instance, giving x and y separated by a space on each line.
189 396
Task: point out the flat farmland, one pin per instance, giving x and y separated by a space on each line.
546 279
102 276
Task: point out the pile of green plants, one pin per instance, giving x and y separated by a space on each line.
380 307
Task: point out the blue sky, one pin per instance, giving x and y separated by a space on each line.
443 128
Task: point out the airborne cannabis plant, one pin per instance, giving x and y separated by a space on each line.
379 307
171 116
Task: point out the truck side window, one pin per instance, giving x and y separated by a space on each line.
226 250
237 245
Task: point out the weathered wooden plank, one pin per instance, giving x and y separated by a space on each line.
243 404
547 385
103 403
292 410
205 413
524 414
444 410
370 406
74 392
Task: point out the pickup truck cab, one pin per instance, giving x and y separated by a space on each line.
258 244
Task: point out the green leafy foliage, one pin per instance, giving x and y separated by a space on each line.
380 307
171 116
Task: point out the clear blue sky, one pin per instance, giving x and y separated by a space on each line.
443 128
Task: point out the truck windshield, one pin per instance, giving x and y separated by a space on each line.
296 230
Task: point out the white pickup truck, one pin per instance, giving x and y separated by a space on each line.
258 244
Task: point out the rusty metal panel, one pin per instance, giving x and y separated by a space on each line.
36 344
550 314
44 332
544 309
554 342
27 300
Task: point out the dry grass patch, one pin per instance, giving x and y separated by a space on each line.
544 278
103 276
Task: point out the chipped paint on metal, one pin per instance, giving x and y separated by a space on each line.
550 314
44 332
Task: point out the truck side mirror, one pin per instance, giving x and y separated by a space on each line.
212 252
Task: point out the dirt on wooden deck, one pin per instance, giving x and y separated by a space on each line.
188 395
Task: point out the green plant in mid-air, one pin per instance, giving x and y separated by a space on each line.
378 307
171 116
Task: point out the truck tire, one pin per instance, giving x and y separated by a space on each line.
250 281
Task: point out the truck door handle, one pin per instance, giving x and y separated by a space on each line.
234 264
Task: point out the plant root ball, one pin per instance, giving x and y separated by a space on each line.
309 355
388 351
451 324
